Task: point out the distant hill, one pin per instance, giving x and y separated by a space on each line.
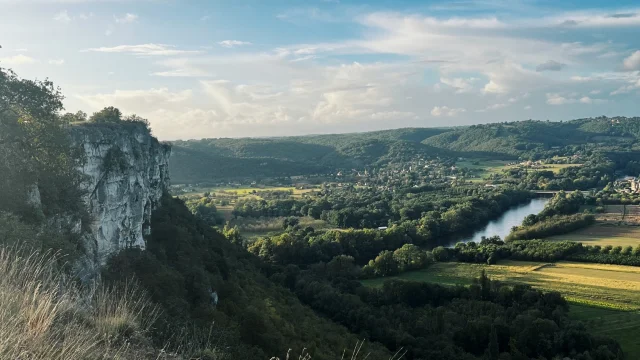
518 138
221 159
216 159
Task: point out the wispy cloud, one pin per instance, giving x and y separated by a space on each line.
233 43
446 111
144 50
127 18
17 60
493 107
63 17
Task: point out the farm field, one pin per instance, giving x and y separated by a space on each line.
604 234
625 214
606 297
246 191
485 168
557 167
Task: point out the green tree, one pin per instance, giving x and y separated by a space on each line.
410 257
384 264
107 115
35 151
70 118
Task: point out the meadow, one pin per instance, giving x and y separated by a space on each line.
605 297
604 234
485 168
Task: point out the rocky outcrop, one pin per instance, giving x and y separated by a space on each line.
127 171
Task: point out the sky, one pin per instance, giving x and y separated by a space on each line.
239 68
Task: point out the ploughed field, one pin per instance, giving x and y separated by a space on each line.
605 297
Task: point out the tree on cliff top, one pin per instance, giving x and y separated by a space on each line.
107 115
34 146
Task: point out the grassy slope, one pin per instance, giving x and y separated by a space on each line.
597 292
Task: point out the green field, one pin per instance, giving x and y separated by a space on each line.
604 234
245 191
606 297
557 167
485 168
623 326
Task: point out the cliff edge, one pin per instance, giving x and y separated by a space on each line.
127 171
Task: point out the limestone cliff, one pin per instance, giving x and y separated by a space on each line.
127 171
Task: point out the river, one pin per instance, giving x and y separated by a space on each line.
502 225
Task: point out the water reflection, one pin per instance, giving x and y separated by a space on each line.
502 226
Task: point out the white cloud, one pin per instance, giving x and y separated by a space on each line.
558 99
493 107
625 89
595 19
446 111
144 50
460 84
127 18
57 62
17 60
233 43
571 98
632 62
528 107
63 17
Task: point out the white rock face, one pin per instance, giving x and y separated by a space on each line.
127 172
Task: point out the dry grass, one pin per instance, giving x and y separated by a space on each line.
356 354
44 315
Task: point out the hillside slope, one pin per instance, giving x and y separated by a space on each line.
222 159
218 159
214 292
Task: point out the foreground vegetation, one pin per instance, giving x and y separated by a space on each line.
45 315
606 297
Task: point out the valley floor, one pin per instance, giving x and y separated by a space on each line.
608 307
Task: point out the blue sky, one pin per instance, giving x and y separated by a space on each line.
237 68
